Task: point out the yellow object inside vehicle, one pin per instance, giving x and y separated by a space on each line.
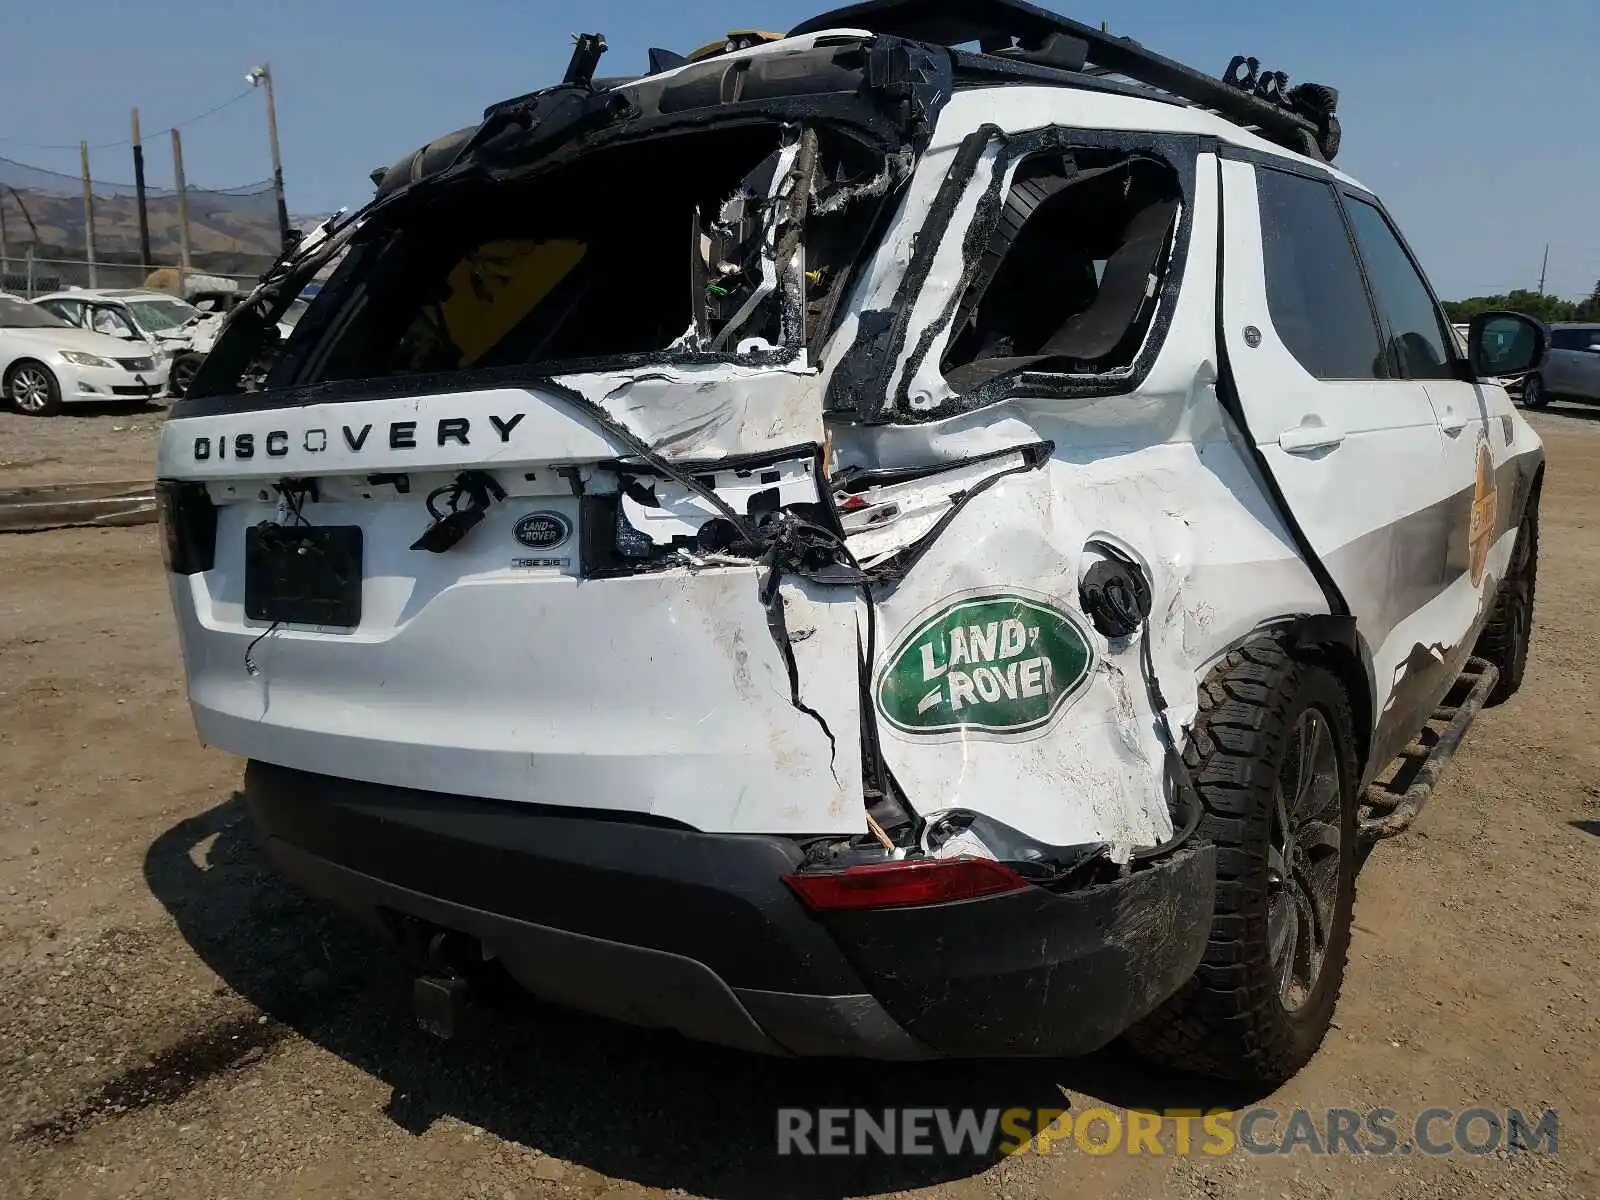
496 286
738 39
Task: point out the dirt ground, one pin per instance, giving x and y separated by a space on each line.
174 1022
87 443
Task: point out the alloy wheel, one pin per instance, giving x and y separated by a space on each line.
1303 863
30 389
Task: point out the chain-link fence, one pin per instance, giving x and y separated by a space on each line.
52 238
28 276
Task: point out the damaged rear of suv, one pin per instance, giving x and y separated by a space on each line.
779 549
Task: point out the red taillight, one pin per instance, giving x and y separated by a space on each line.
903 884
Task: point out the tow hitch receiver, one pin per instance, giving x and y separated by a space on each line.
440 1004
441 994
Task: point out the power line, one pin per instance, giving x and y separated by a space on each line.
184 124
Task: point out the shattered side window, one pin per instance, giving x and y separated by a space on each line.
1071 277
730 243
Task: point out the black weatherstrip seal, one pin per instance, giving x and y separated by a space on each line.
1178 152
1228 393
869 365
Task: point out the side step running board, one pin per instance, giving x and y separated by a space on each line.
1391 806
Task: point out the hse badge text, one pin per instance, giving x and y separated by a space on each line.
999 664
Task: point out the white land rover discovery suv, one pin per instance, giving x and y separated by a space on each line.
968 597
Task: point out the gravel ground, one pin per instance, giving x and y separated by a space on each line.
87 443
178 1023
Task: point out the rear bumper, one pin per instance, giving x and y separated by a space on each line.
663 926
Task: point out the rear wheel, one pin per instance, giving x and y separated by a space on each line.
1273 757
32 389
1504 640
1533 393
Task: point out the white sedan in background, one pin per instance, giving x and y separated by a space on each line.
45 363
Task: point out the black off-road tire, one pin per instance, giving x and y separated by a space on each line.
1229 1021
1504 640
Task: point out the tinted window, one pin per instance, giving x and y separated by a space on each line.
65 310
1574 339
18 314
1319 305
1416 334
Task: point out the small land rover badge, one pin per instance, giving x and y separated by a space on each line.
543 530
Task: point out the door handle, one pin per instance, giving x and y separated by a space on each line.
1452 422
1311 435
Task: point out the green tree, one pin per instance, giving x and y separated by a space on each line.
1589 310
1549 309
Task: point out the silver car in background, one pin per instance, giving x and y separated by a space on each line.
1571 369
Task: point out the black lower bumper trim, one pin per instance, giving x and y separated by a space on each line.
667 927
627 983
1034 972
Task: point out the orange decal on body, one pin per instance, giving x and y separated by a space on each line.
1485 513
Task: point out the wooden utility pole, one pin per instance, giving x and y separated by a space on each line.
183 210
261 76
88 215
138 187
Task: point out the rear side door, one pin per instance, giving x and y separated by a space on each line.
1354 449
1553 370
1477 443
1575 353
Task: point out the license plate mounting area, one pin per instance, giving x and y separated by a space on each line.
303 574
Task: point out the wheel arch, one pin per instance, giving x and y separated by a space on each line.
1332 641
23 360
26 360
1535 491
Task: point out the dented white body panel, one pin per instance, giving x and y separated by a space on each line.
501 672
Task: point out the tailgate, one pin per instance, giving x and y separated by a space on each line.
532 660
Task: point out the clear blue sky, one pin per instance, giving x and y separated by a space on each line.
1476 120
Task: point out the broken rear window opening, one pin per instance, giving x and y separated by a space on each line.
730 244
1071 276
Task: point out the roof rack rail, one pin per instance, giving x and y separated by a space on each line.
1302 118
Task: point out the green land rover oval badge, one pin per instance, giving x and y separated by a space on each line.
997 663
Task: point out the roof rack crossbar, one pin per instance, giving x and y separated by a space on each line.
1301 119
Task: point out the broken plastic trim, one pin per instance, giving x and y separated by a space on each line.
892 570
964 833
799 547
781 250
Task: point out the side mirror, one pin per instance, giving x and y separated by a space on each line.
1505 343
